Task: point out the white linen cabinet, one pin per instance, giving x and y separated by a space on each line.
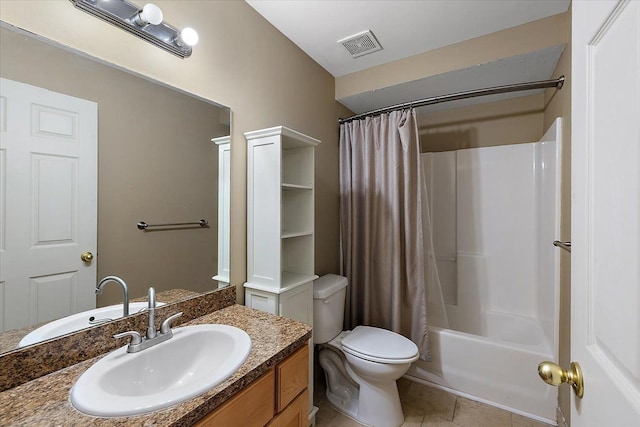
224 209
280 222
280 227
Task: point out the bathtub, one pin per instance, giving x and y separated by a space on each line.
495 212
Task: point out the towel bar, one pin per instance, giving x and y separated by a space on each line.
144 226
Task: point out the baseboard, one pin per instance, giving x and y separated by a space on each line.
312 416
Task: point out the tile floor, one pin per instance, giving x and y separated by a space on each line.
426 406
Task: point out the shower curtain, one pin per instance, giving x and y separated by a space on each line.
381 225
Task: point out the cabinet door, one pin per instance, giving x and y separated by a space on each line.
263 211
252 407
261 300
297 304
295 415
292 377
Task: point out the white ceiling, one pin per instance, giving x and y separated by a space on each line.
406 28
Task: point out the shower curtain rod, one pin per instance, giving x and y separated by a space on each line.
557 83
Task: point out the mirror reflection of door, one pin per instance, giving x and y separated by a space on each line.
48 156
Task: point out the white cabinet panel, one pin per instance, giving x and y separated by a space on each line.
263 212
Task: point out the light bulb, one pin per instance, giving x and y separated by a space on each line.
150 14
187 37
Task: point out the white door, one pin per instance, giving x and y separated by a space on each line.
605 234
48 190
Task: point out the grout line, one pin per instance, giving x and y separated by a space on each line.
455 406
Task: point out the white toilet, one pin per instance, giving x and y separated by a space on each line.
361 366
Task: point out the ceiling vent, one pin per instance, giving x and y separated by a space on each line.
361 44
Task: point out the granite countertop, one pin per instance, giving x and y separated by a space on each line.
45 400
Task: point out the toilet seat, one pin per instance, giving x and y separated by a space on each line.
379 345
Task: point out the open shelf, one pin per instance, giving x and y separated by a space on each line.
297 254
291 234
290 280
288 187
297 211
297 166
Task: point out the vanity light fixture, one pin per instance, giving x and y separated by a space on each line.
146 23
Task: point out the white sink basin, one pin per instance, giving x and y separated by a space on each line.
194 360
75 322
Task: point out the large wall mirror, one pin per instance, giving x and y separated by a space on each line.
156 163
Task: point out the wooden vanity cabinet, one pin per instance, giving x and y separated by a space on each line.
278 398
294 415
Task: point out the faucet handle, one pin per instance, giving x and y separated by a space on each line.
136 338
166 325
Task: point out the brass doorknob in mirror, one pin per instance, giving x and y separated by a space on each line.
86 257
553 374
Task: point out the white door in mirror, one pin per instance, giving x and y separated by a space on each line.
196 359
49 143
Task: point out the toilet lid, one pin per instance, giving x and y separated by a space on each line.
379 345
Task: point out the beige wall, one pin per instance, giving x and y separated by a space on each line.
241 61
517 120
156 163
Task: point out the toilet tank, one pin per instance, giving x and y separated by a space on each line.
329 292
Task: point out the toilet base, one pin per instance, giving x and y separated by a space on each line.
341 391
372 403
375 406
379 405
345 407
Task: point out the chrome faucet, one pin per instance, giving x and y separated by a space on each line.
151 329
125 291
153 337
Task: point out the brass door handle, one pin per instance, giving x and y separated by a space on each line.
86 257
553 374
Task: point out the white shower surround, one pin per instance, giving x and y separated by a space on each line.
503 310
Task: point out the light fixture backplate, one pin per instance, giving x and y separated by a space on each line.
119 13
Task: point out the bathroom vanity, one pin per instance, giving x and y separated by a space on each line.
270 388
279 397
